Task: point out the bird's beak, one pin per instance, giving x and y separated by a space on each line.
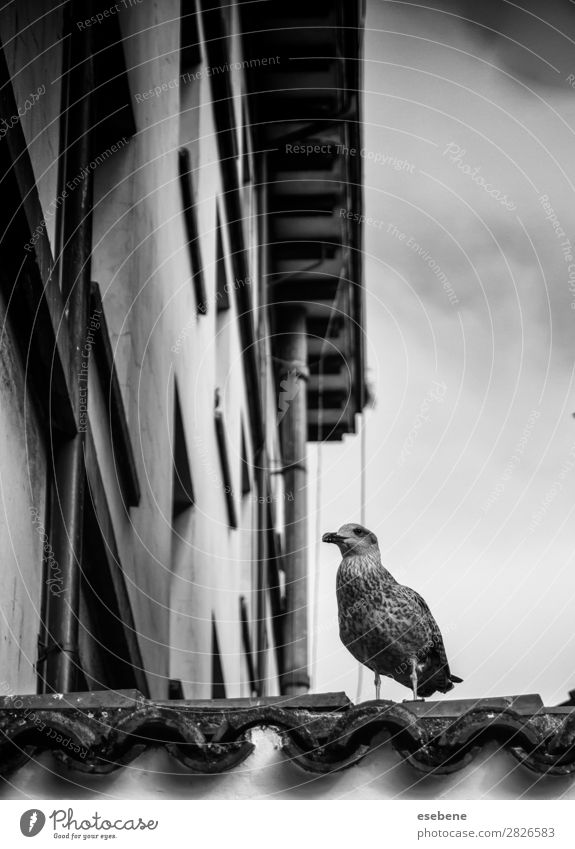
331 537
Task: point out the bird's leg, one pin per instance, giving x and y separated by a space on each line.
413 677
377 683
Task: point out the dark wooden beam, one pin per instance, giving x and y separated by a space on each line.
182 487
111 582
192 231
247 645
34 302
218 682
113 115
226 471
122 450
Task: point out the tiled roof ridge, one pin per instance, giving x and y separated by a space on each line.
101 732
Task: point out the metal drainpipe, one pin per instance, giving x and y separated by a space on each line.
260 458
292 353
262 555
62 659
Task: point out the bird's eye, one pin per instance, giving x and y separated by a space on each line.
358 532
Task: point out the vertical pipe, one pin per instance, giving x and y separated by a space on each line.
260 459
362 503
262 555
292 354
68 502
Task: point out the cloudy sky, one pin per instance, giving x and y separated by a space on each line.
469 156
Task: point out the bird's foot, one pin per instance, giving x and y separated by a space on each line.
411 701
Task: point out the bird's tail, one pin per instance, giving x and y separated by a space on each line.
456 679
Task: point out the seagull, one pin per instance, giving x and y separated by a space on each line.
386 626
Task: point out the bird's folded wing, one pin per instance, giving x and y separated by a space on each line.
436 636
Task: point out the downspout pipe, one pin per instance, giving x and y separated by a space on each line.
260 457
61 651
291 339
262 577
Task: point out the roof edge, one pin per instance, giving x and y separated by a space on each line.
99 733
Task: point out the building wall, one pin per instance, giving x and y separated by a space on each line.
178 574
23 478
23 27
23 459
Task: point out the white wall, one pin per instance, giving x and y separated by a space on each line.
24 26
22 522
494 774
141 262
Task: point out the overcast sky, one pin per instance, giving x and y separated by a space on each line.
469 155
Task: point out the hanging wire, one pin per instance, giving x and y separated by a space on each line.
362 502
315 613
